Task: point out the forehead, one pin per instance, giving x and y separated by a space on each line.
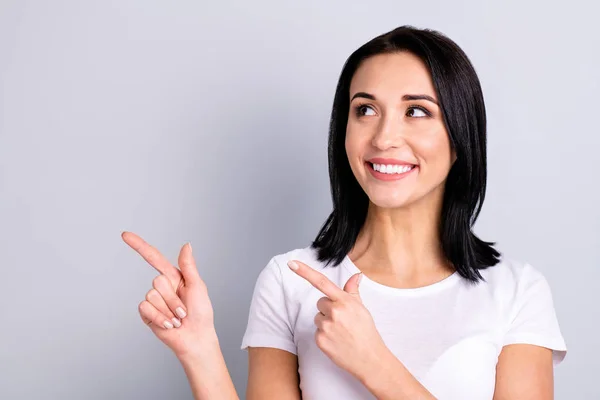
392 75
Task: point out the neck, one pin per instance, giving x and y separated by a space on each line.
403 242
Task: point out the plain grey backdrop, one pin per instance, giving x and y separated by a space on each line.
207 122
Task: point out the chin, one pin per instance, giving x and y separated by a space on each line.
390 200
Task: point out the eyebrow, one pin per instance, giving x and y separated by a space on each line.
406 97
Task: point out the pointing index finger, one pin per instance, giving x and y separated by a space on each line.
317 279
153 257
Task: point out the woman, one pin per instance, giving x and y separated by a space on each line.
396 298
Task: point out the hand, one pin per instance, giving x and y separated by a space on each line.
177 309
346 332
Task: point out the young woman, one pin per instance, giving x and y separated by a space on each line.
396 298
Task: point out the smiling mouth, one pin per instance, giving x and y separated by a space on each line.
391 169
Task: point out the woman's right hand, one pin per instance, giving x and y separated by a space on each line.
177 309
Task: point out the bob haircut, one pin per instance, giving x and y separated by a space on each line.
461 101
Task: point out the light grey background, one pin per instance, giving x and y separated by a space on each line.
207 121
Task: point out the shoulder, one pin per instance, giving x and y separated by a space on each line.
294 286
527 305
307 255
521 290
511 276
277 286
278 263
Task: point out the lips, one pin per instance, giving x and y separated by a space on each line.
390 161
391 172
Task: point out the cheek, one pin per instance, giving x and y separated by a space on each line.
355 145
434 147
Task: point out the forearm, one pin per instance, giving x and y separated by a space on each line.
209 377
391 380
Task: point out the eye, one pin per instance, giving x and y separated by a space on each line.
365 110
417 112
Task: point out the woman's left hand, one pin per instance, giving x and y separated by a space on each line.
346 332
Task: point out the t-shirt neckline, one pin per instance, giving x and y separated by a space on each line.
423 290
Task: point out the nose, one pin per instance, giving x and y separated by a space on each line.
388 134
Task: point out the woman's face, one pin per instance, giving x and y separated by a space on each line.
396 141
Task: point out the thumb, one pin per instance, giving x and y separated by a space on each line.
187 264
352 285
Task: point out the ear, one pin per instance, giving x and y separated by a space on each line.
453 156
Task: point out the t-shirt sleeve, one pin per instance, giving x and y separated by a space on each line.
533 318
268 320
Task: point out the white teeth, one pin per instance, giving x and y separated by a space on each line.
392 169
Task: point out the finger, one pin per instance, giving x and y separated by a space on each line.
149 313
324 305
317 279
154 298
352 284
153 257
188 265
146 320
172 301
319 320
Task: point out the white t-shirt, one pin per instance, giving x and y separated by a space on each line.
448 334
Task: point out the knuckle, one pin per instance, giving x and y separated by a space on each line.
152 295
322 282
158 281
151 254
186 261
317 319
335 312
143 307
320 340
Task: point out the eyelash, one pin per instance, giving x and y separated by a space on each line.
358 108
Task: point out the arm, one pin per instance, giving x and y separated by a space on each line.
272 374
346 333
525 372
269 340
208 375
191 336
525 364
388 378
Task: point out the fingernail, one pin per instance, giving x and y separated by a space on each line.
176 322
293 265
180 312
168 325
360 278
190 244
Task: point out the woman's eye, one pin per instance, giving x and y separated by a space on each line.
365 110
416 112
